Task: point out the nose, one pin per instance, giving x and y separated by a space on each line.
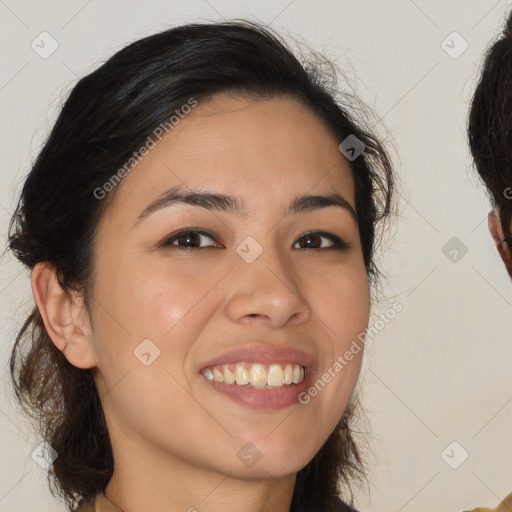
266 292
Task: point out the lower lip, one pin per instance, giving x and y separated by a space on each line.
263 398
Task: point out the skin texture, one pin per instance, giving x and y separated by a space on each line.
504 250
175 439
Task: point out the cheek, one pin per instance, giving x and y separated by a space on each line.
343 303
152 311
136 303
153 300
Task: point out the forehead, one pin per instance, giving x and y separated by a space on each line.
265 151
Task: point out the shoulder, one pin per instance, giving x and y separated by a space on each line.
504 506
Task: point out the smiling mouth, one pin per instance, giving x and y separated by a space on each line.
256 375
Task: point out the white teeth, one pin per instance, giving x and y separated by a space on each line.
288 374
296 374
242 375
229 376
275 376
258 376
218 376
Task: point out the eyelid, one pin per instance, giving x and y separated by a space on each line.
339 242
167 241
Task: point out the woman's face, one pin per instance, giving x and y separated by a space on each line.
166 305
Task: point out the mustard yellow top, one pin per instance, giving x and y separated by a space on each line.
98 503
504 506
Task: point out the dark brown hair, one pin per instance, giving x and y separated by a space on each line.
490 124
107 116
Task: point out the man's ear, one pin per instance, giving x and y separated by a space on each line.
494 224
65 318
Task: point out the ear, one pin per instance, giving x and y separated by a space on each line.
65 318
494 224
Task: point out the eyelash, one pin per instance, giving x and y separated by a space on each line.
338 243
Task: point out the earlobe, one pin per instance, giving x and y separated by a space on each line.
64 317
494 224
504 250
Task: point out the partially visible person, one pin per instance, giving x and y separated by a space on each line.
490 140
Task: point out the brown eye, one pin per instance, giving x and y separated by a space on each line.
190 239
314 240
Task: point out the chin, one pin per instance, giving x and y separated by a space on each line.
281 464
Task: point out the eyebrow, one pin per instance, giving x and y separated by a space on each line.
236 205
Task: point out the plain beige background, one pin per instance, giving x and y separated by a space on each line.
440 371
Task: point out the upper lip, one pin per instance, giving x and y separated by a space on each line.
263 355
